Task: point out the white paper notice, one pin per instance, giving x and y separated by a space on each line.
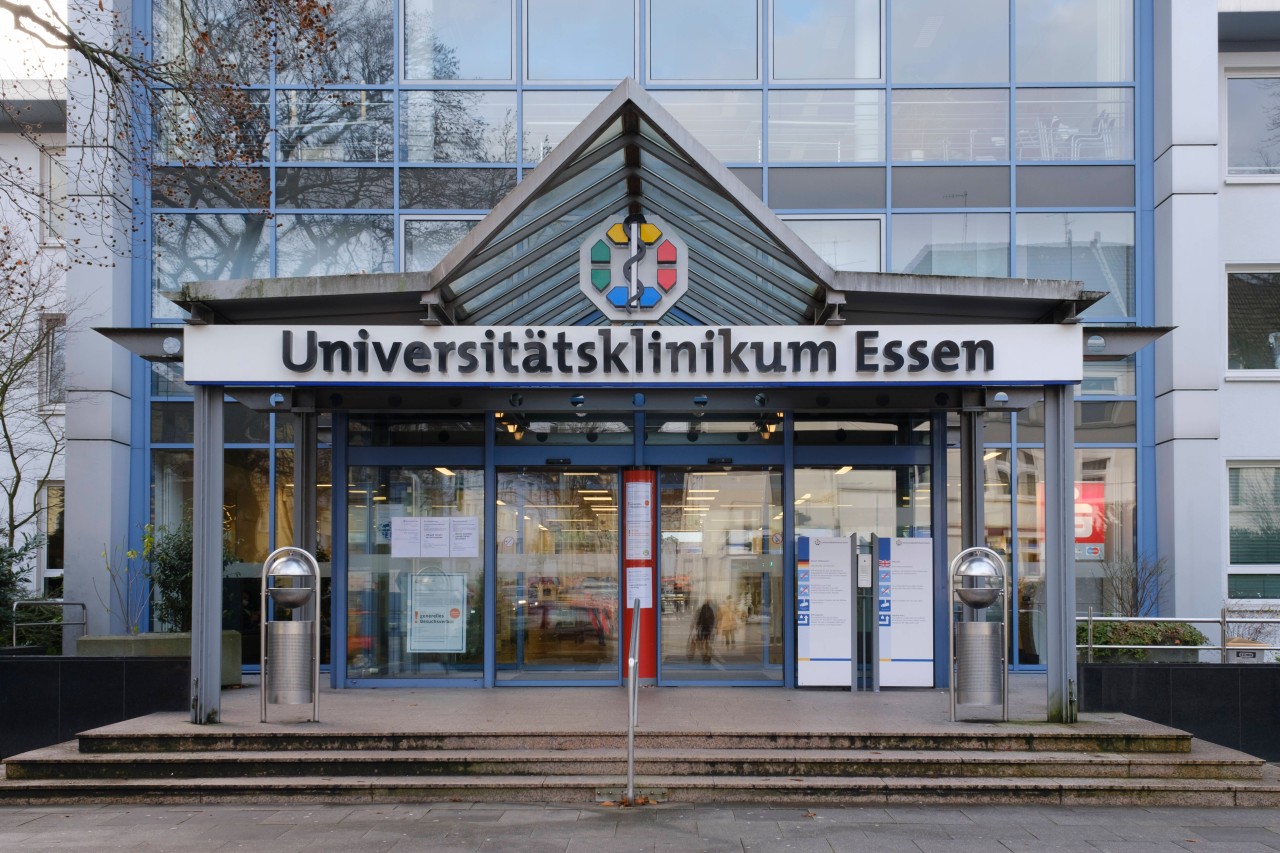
464 535
438 613
640 585
406 537
435 537
639 505
824 612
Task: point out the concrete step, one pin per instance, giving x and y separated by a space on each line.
1204 761
1264 792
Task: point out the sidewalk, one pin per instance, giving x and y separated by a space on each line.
603 829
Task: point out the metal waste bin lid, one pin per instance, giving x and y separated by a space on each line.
978 575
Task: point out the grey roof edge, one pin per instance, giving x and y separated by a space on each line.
162 343
355 284
959 285
580 138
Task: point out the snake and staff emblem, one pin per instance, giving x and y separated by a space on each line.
635 268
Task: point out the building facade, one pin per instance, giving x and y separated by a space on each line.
1010 139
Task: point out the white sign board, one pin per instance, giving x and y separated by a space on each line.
640 585
904 611
438 612
435 538
824 611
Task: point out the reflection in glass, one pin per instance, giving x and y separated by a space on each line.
333 188
826 187
826 39
520 429
846 244
189 131
458 126
837 126
1254 522
722 575
1253 105
942 41
362 52
885 430
457 39
1114 377
1095 248
550 116
1079 40
707 40
454 189
415 431
397 586
557 575
728 123
950 186
426 241
951 244
1074 124
342 126
581 39
203 187
1253 320
204 247
166 380
950 124
230 33
333 244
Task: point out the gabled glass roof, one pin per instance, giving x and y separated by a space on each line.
520 266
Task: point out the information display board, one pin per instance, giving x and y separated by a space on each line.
414 537
438 612
824 617
904 611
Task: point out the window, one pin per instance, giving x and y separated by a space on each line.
1095 248
457 40
826 126
53 361
426 241
1084 40
846 244
942 41
1253 108
707 40
1253 320
950 244
581 39
826 40
1254 514
53 195
51 525
1253 586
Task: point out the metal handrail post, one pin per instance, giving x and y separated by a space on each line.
633 704
1224 633
1090 631
37 602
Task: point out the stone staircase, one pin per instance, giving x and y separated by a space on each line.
1118 761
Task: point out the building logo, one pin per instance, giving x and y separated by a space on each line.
634 268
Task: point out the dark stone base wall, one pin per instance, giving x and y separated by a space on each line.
48 700
1234 705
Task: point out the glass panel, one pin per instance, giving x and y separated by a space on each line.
172 423
1075 186
753 179
1254 514
581 39
722 575
1074 40
713 429
1095 248
188 131
889 430
997 427
457 39
951 186
204 247
833 126
55 527
1253 320
412 614
1253 107
950 124
517 429
557 575
941 41
728 123
362 50
229 32
1101 422
1112 377
331 244
426 241
1074 124
242 425
550 116
458 127
415 431
166 380
846 244
826 39
205 187
343 126
820 188
951 244
455 189
708 40
1253 586
336 188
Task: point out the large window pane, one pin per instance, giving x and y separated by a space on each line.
1254 492
826 188
826 39
230 33
1253 113
581 39
729 123
458 127
204 247
332 244
942 41
457 39
1076 40
951 244
951 186
1074 124
190 131
707 40
830 126
1095 248
950 124
342 126
334 188
550 116
363 49
426 241
1075 186
199 187
846 244
1253 320
454 189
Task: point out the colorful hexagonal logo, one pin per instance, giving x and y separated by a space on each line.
634 268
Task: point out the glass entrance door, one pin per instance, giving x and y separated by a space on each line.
722 575
557 576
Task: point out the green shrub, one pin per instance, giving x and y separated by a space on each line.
1136 634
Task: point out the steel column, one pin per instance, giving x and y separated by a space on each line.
1059 551
305 464
206 563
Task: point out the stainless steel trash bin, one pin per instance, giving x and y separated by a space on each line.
979 663
289 659
291 633
979 660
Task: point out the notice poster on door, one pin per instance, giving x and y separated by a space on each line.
640 586
413 538
904 611
438 612
639 520
824 611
